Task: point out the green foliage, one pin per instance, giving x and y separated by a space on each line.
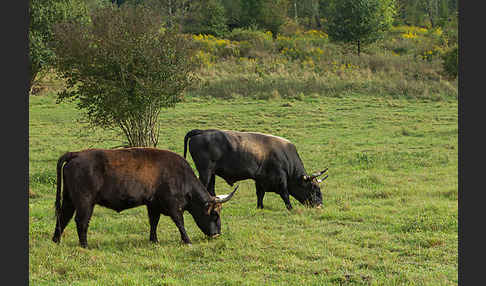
252 42
273 15
206 17
360 21
451 62
43 14
429 13
269 15
250 11
122 68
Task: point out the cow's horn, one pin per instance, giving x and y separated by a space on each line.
320 180
224 198
315 175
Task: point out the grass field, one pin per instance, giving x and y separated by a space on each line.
390 202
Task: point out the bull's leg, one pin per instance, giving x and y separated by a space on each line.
67 212
205 178
154 217
178 219
211 184
83 215
260 192
205 168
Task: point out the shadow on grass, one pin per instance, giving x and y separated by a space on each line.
136 242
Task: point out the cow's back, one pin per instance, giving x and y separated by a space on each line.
128 177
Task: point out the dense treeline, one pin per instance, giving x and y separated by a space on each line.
310 13
219 17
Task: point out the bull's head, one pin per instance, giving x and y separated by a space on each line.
210 221
311 190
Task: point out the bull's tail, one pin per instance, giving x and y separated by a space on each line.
64 158
189 135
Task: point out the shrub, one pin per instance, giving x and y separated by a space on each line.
252 42
290 27
256 37
122 69
450 62
215 46
303 46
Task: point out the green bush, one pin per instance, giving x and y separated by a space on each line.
450 62
253 36
252 42
122 69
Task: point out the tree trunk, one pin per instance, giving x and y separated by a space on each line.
359 48
295 11
170 14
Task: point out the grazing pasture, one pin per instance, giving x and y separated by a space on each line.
389 215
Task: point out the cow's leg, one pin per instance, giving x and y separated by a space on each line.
178 218
285 197
67 212
83 215
154 216
260 192
284 192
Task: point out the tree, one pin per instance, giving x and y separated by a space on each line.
261 14
359 21
173 11
206 17
272 15
43 14
122 68
309 10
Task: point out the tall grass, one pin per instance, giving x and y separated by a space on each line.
307 63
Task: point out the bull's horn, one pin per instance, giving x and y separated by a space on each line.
320 180
224 198
315 175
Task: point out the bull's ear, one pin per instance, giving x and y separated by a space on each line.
209 207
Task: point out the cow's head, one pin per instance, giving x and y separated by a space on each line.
209 220
309 190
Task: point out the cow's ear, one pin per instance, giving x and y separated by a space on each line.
305 178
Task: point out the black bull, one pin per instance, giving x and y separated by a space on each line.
125 178
271 161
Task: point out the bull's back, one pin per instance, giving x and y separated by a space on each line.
237 155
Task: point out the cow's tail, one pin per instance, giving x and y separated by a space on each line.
189 135
63 159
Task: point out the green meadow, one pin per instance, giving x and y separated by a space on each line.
390 212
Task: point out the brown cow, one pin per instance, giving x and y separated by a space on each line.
125 178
